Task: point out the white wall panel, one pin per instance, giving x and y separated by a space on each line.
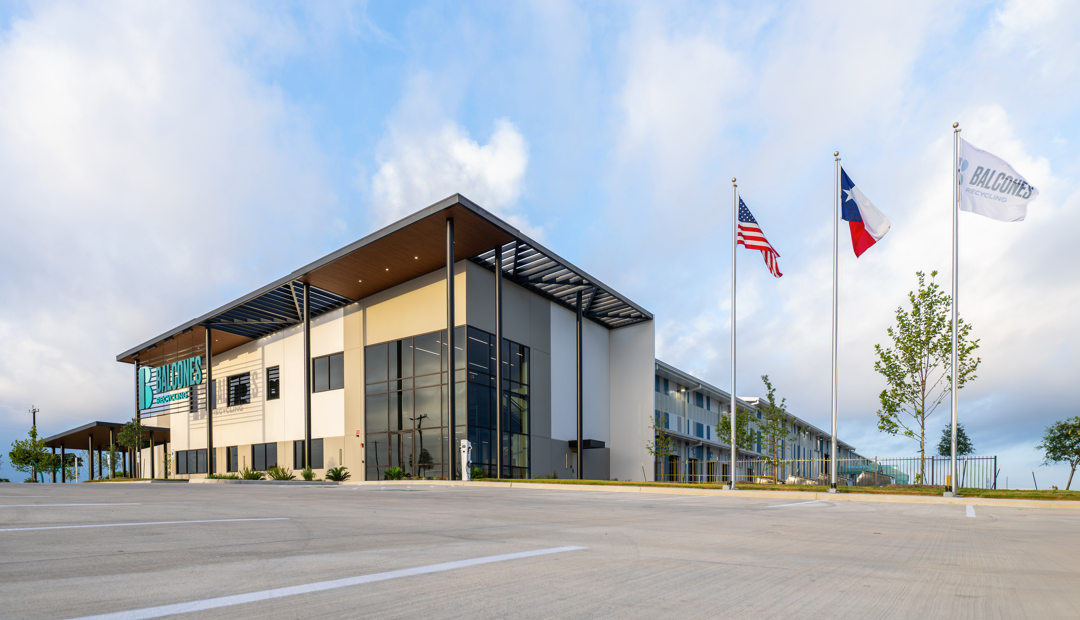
563 374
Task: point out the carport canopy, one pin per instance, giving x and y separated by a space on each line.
79 438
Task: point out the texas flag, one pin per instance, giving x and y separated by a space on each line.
868 225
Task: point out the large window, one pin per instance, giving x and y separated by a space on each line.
191 461
239 389
263 456
407 404
316 454
328 372
273 383
515 401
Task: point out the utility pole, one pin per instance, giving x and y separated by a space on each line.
33 465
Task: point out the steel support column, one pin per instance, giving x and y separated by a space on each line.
112 449
90 457
307 375
452 451
151 455
498 364
54 471
210 398
580 402
63 464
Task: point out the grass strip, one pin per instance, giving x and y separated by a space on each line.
1048 495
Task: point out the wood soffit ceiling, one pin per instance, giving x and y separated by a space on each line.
401 252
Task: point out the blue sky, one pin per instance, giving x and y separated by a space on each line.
159 159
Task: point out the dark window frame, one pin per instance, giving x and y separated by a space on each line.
333 380
273 383
261 451
234 396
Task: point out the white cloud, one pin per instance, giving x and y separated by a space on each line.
870 82
143 173
426 157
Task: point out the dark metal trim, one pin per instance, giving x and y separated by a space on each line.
450 367
498 362
580 386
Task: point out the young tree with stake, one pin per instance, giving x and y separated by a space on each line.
916 367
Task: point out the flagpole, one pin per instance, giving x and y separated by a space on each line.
835 311
734 245
953 487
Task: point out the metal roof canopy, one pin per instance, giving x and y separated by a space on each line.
529 265
78 438
382 260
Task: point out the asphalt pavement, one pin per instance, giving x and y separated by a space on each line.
238 551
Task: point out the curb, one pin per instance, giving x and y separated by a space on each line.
263 482
809 496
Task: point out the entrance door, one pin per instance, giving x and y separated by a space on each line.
710 474
693 471
726 473
401 452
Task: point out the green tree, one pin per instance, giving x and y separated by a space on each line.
1061 444
774 427
917 367
663 444
30 456
745 433
131 437
964 446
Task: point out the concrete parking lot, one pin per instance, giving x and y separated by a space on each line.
140 551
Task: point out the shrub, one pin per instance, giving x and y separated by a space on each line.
250 474
476 473
281 473
338 474
307 474
394 473
553 476
223 477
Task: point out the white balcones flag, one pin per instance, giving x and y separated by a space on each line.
991 187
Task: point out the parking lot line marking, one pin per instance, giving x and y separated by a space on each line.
651 499
796 504
45 505
73 527
19 496
971 511
265 595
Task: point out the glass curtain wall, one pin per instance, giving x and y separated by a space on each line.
407 404
515 395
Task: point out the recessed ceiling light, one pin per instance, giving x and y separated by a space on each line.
359 280
388 269
416 257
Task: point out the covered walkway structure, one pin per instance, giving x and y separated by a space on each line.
96 437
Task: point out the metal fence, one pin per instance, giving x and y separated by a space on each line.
974 472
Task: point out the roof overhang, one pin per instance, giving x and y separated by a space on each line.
79 438
398 253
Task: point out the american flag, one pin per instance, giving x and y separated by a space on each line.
752 238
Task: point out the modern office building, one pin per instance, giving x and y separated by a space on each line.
347 361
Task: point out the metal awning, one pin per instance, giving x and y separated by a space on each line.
405 250
274 310
529 265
